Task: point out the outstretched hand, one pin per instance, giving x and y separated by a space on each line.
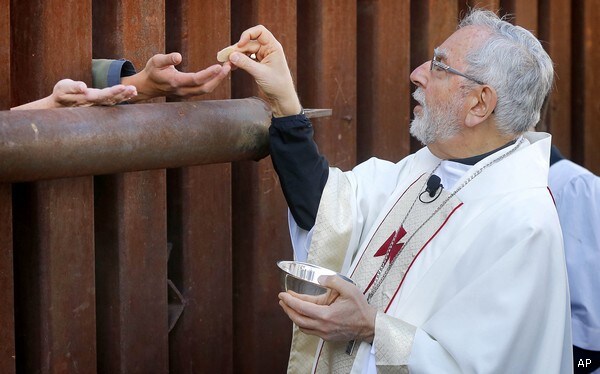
70 93
348 318
270 69
161 78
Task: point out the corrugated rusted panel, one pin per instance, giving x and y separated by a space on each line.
327 74
50 41
493 5
131 256
53 240
199 211
588 82
432 21
260 235
131 29
555 34
131 239
54 276
384 88
523 13
4 54
7 316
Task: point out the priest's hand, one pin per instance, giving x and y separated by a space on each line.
161 78
70 93
348 318
269 69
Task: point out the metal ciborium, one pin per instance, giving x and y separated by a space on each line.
302 278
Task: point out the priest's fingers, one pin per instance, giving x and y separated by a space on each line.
305 323
250 48
260 34
337 283
306 308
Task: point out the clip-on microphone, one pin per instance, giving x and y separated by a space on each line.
434 183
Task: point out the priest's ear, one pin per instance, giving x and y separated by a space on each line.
482 102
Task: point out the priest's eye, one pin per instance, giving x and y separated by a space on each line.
437 65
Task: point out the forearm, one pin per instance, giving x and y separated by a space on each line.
140 81
45 103
301 169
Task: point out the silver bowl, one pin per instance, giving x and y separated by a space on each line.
302 278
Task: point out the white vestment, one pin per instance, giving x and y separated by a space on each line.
487 293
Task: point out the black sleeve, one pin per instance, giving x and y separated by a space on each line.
301 169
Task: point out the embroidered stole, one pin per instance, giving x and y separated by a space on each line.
331 237
333 357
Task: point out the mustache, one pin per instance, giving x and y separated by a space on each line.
419 96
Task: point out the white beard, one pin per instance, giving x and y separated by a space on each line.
435 124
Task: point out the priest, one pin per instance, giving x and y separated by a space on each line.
456 250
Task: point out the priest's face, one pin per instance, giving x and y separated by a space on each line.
442 89
437 122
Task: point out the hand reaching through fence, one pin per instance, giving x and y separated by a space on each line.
161 78
70 93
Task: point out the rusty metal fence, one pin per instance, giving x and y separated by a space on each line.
143 238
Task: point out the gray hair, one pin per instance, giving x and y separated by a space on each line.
515 64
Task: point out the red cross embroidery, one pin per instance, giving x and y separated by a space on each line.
396 247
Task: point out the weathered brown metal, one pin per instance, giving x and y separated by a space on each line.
525 14
260 234
50 41
492 5
131 259
7 317
135 244
53 232
58 143
4 54
54 276
383 68
587 86
199 211
556 34
327 74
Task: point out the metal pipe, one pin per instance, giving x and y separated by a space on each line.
69 142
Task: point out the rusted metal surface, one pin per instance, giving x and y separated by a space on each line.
50 41
56 143
132 316
131 259
5 54
586 86
53 221
260 235
556 34
7 318
383 68
54 276
199 211
492 5
327 74
131 29
200 266
525 14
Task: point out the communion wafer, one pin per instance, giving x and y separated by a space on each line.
223 55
